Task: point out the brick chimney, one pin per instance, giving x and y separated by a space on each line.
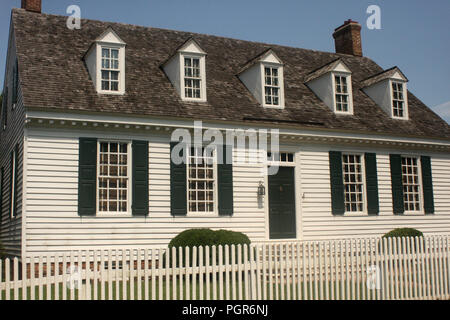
347 38
32 5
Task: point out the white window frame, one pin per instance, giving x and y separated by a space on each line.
202 64
272 161
129 175
280 69
405 99
121 76
420 191
349 92
363 178
110 70
215 211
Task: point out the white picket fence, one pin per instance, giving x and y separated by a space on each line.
352 269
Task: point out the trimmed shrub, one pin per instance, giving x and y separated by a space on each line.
206 238
400 233
403 232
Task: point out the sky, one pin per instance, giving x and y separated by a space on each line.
414 34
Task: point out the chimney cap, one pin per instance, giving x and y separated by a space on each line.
32 5
346 23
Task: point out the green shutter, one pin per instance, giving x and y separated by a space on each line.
2 186
397 184
87 177
16 174
15 82
427 181
372 183
140 178
337 183
225 181
178 188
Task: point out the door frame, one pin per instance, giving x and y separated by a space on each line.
298 198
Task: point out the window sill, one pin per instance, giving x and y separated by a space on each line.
114 215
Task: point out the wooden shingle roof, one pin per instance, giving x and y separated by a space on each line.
54 77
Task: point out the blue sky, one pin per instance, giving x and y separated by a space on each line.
415 35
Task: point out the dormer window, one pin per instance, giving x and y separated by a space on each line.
342 95
192 78
263 77
110 69
271 86
398 100
332 83
186 70
105 60
388 89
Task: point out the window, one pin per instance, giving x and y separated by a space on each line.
15 83
353 182
192 78
110 69
13 184
201 180
271 86
283 157
5 109
342 94
398 101
113 177
411 184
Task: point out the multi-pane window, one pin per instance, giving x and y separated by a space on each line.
398 101
192 78
284 157
271 86
113 177
110 69
201 182
353 182
411 183
342 95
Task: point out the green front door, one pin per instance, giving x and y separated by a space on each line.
282 204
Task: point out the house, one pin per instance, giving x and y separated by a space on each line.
89 115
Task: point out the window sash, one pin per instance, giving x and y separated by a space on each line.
192 78
341 93
271 86
110 69
398 100
113 177
201 180
411 184
354 183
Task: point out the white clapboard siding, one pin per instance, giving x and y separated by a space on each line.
52 194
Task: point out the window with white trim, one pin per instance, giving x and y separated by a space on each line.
110 69
201 180
271 86
283 157
352 169
192 78
398 100
411 183
341 93
113 177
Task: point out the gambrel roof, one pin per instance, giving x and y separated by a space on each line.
54 77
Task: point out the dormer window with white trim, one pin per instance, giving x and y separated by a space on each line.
388 89
186 70
332 83
271 86
105 60
264 78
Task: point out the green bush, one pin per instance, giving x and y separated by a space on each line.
401 233
206 238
